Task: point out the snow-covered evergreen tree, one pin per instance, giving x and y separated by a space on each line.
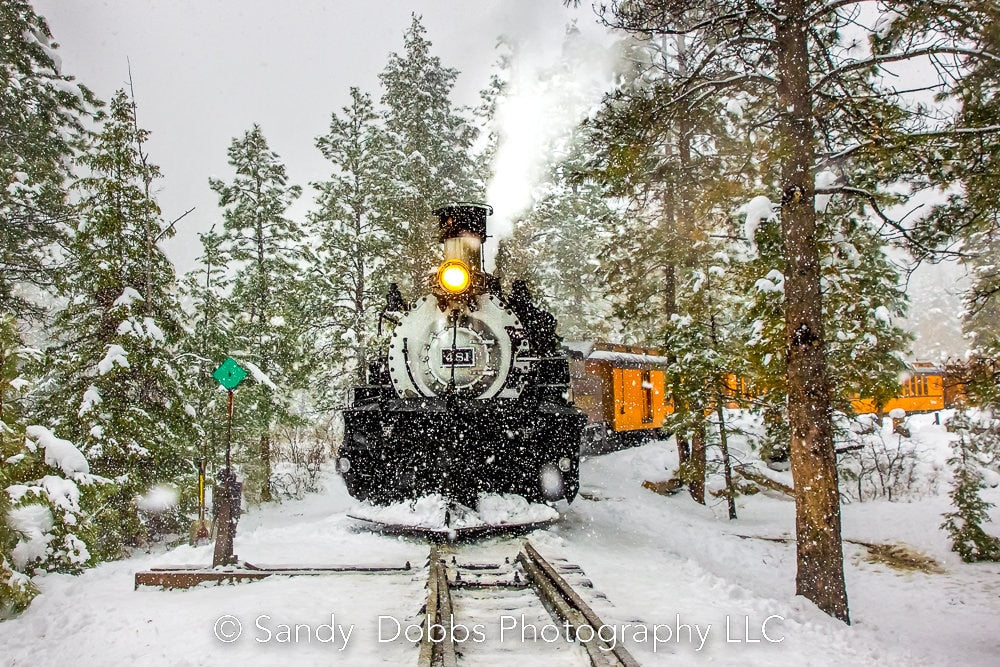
115 388
977 436
40 116
863 307
430 143
205 290
41 112
569 224
42 524
705 345
16 589
264 247
349 268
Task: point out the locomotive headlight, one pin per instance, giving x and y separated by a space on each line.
343 464
454 276
565 464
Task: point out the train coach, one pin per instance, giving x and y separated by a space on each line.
923 389
622 390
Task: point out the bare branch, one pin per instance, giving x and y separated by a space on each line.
900 57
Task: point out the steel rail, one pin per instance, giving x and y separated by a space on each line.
570 607
437 646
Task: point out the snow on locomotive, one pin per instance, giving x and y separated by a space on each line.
471 396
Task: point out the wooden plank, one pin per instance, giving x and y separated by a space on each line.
192 578
188 577
288 568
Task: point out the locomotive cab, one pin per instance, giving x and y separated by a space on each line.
470 397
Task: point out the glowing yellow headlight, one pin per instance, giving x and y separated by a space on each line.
454 276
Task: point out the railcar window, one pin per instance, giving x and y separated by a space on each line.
621 402
647 394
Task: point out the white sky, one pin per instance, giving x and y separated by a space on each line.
205 70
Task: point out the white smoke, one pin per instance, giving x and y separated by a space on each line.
547 94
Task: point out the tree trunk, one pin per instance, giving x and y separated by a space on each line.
265 461
727 467
683 227
820 575
670 299
696 465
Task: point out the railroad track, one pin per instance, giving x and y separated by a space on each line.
469 602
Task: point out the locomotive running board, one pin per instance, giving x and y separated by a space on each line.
189 576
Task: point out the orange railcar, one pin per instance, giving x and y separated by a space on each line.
921 390
622 389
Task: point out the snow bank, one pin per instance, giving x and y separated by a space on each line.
510 509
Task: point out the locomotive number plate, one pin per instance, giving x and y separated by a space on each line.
457 356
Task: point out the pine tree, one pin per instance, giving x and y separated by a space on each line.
676 169
705 345
16 589
863 304
265 305
558 244
205 292
116 388
41 112
430 143
44 484
349 268
975 437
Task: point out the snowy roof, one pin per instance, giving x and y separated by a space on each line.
927 368
619 355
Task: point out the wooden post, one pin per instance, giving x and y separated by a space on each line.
225 484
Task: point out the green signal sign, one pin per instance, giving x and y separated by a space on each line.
229 374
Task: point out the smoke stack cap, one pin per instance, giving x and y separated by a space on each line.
460 219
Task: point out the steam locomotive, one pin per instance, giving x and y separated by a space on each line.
471 396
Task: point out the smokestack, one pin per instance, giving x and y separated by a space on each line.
463 232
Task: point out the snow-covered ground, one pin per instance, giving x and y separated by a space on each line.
661 561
